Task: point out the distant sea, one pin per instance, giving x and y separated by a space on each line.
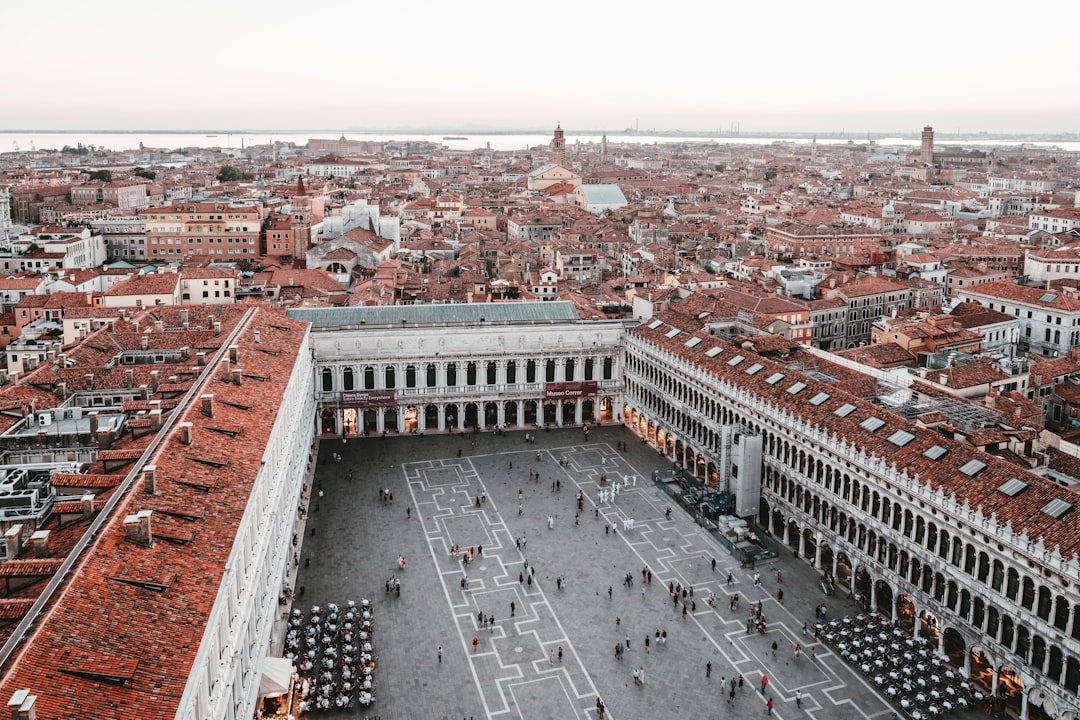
15 141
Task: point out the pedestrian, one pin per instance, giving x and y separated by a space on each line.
408 512
618 620
475 643
440 654
627 641
813 653
740 681
774 648
730 578
521 578
780 595
608 592
714 564
646 643
779 577
798 698
512 608
708 669
769 706
764 684
560 653
642 592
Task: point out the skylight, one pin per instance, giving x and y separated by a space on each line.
755 369
1048 297
1056 508
673 332
774 378
797 388
900 438
692 341
872 423
655 324
820 398
845 410
935 452
714 351
973 467
1013 487
735 360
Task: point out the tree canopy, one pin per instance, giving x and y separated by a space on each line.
228 173
102 175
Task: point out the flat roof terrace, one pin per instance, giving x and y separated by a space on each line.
353 540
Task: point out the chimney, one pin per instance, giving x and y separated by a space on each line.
208 405
153 381
87 505
145 339
137 528
225 372
89 378
93 422
234 351
237 376
40 541
217 327
22 705
155 419
159 325
150 479
185 433
104 439
135 325
62 389
144 392
200 359
184 318
50 355
13 541
129 377
258 336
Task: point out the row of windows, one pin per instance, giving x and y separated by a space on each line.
350 379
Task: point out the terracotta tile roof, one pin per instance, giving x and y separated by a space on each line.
134 661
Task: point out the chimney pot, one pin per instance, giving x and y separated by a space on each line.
153 381
237 376
184 318
93 421
104 439
159 325
185 433
200 359
40 541
233 353
155 419
258 336
129 377
137 528
144 392
217 327
22 705
13 541
150 479
208 405
89 378
87 504
145 340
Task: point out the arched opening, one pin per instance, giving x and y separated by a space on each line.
826 557
431 417
529 413
982 671
472 416
510 412
928 627
793 535
328 424
883 596
569 410
411 421
390 419
452 418
843 572
955 647
863 582
905 613
588 410
549 413
491 414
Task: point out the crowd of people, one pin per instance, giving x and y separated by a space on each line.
334 655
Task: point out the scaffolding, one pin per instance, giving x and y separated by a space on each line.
961 414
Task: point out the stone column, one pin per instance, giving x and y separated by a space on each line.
577 412
520 413
442 417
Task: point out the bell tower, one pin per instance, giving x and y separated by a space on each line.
926 151
558 147
301 220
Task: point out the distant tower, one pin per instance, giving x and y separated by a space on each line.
926 152
813 149
301 220
558 147
603 145
5 214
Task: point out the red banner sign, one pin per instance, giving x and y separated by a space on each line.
368 398
570 389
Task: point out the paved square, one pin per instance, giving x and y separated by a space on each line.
354 538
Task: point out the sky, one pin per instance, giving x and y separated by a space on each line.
826 66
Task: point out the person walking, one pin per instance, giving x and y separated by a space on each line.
764 684
475 643
798 698
769 705
708 669
608 592
440 654
513 607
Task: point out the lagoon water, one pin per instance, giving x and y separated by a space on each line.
16 141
